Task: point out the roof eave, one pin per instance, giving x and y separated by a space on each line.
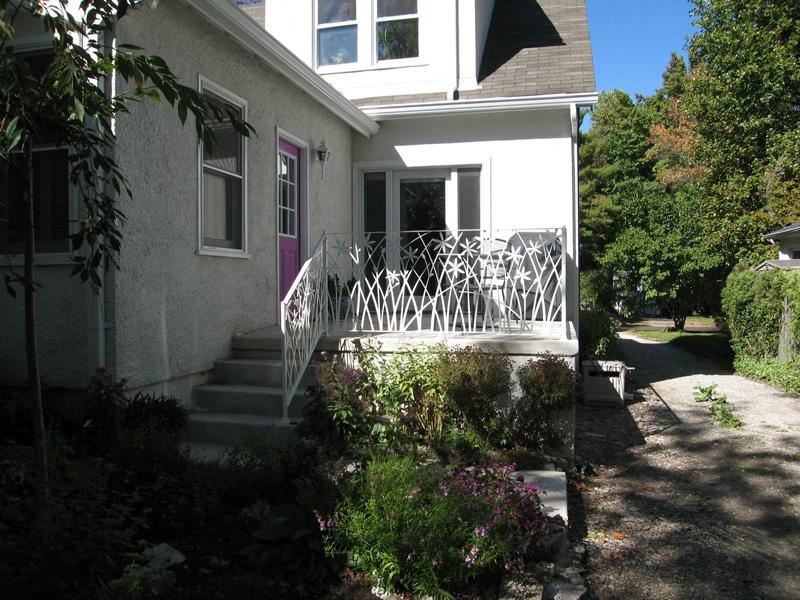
388 112
250 36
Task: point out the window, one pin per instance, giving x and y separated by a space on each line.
51 189
51 206
223 208
364 32
397 29
337 38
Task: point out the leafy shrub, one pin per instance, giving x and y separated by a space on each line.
548 385
599 337
141 434
409 390
267 463
424 528
104 409
473 379
289 540
339 406
64 545
752 303
596 290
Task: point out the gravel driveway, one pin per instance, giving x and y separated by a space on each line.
678 507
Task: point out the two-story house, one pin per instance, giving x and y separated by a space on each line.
414 172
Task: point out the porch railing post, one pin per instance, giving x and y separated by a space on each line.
564 325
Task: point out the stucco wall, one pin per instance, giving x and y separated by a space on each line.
174 310
61 306
526 158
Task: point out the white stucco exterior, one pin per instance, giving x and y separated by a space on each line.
525 158
452 34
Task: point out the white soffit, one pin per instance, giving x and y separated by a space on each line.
387 112
226 17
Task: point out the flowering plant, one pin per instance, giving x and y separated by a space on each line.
426 528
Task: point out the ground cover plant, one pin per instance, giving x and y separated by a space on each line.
718 405
417 437
429 527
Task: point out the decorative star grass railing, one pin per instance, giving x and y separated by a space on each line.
499 281
447 281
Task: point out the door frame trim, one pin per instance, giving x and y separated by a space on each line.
479 160
303 180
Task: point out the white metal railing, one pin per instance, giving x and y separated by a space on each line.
304 314
503 281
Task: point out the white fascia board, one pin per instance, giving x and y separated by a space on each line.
388 112
226 17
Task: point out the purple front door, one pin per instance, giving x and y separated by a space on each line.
288 215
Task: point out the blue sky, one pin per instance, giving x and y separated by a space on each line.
632 41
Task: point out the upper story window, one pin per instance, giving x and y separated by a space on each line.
397 29
363 33
337 37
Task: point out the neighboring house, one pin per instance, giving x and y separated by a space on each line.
788 240
434 141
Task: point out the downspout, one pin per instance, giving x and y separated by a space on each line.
574 118
453 95
96 301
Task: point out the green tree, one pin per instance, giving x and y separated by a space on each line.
62 101
744 96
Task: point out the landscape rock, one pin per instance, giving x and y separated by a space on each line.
162 556
519 585
561 590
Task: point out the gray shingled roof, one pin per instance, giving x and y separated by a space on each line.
533 48
793 228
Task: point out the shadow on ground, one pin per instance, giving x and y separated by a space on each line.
682 508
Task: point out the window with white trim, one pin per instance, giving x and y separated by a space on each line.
363 33
223 175
52 210
51 203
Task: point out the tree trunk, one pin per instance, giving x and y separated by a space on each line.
32 350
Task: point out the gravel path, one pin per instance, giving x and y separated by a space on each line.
679 507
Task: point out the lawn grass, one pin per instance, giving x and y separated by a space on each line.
714 346
690 321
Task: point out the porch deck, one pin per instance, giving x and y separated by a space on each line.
535 342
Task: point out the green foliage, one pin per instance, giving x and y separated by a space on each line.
752 302
64 545
596 289
267 464
140 434
339 410
409 386
743 95
599 336
783 375
425 529
718 405
289 540
548 385
473 380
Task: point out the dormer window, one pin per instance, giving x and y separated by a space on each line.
397 29
337 36
363 33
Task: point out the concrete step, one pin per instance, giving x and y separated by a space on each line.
259 372
245 399
261 344
230 430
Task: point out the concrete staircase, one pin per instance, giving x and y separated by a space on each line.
245 394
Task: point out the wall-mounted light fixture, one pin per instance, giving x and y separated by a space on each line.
322 154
